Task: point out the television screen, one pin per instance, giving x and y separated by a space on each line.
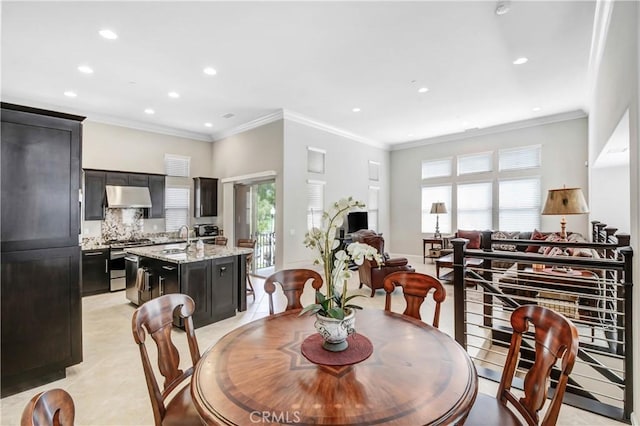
357 221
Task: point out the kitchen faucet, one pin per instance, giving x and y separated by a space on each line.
180 234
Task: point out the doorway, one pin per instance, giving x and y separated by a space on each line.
255 217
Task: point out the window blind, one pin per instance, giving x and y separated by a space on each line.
475 206
519 204
315 203
177 165
475 163
436 168
176 207
520 158
432 194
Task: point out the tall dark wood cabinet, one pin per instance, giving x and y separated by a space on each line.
205 192
40 289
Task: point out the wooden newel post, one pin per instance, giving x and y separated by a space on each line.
459 245
627 255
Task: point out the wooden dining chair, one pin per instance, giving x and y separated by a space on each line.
248 243
416 287
555 338
49 408
156 318
292 282
221 241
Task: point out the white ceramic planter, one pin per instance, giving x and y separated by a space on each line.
335 331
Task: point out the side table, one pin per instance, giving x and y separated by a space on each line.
437 246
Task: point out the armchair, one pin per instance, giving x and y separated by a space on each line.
371 274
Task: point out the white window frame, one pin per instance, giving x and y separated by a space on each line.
315 210
177 165
428 222
533 194
486 211
486 156
373 209
181 211
534 151
446 163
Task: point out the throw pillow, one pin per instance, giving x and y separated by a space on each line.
499 235
472 236
536 235
547 249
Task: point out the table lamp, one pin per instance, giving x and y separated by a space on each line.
438 208
565 201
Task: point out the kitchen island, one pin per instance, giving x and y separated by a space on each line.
214 277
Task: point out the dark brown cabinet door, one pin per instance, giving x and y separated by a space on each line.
224 287
196 282
41 315
95 272
206 197
117 178
138 180
94 194
40 181
156 188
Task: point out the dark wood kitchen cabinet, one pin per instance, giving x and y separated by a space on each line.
40 223
195 280
156 188
223 288
95 272
205 192
94 191
94 194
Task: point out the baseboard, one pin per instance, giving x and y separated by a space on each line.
634 419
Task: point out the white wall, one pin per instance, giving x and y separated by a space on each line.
248 153
564 153
603 198
616 89
346 174
110 147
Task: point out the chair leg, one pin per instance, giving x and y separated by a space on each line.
251 291
373 291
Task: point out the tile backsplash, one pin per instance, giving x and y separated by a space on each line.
122 224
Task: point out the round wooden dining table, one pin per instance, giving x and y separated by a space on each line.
256 374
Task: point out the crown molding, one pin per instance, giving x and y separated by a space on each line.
506 127
106 119
301 119
260 121
146 127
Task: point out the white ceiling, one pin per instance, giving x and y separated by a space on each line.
316 59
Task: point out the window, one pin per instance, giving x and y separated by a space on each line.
315 160
475 206
372 207
432 194
519 204
526 157
315 203
475 163
177 165
176 207
374 170
436 168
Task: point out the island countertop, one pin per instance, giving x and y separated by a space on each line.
175 253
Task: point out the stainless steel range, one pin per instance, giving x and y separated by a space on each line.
117 262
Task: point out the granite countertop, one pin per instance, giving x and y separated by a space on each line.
164 252
93 246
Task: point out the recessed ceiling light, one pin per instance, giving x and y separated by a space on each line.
536 109
208 125
423 90
149 111
174 95
520 61
209 71
503 7
70 94
108 34
85 69
410 135
356 110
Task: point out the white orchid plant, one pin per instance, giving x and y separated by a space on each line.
335 303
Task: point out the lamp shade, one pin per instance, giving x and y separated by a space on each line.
437 208
565 201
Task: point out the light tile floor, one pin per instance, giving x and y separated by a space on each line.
109 388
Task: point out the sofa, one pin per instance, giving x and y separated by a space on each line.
371 274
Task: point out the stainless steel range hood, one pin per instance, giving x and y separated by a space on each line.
128 196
